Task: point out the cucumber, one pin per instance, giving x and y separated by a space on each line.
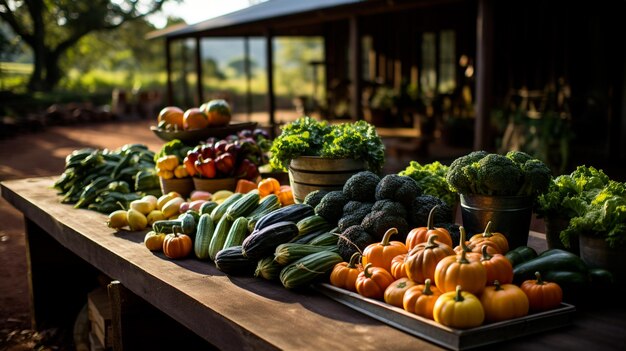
237 233
219 236
309 268
243 206
220 210
204 233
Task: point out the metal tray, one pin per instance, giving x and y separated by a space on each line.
454 339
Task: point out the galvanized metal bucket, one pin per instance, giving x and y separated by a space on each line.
509 215
309 173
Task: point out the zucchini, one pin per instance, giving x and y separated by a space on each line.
166 225
204 233
263 242
232 262
268 269
267 205
243 206
520 254
289 252
220 209
326 239
219 236
312 224
208 207
293 213
551 260
307 269
237 233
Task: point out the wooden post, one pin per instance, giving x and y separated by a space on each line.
484 74
199 86
168 68
355 69
246 66
271 107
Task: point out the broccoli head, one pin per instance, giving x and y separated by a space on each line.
461 175
314 197
362 186
391 207
331 206
537 178
518 157
378 222
398 188
353 213
498 175
354 239
418 215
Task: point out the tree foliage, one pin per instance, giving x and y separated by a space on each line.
51 27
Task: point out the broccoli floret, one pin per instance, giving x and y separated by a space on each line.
353 213
398 188
391 207
331 206
498 175
418 215
518 157
354 239
536 178
314 197
362 186
460 174
378 222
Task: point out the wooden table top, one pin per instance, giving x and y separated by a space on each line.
248 313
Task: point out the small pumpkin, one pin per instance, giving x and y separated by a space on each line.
398 269
394 294
459 309
344 274
381 254
373 281
421 261
177 245
420 299
458 270
487 237
542 295
154 241
497 266
503 302
421 234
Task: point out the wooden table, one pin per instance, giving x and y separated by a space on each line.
68 247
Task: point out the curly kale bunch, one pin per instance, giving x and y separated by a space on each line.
331 206
397 188
431 178
353 214
362 186
302 137
515 173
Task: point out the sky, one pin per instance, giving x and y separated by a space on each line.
194 11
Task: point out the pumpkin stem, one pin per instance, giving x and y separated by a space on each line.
431 241
429 223
353 260
427 290
174 227
496 283
462 258
486 255
539 280
366 271
388 234
463 239
458 297
487 232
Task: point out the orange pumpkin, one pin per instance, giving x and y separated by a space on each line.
420 299
458 270
467 247
344 274
398 269
268 186
373 282
381 254
542 295
421 234
498 239
420 263
394 294
498 268
502 302
177 245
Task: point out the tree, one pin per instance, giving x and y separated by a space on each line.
238 65
51 27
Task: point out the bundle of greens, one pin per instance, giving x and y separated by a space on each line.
431 178
308 137
595 204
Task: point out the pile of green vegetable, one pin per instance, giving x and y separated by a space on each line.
515 173
308 137
594 203
105 180
431 177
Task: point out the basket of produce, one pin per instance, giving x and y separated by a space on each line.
173 175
